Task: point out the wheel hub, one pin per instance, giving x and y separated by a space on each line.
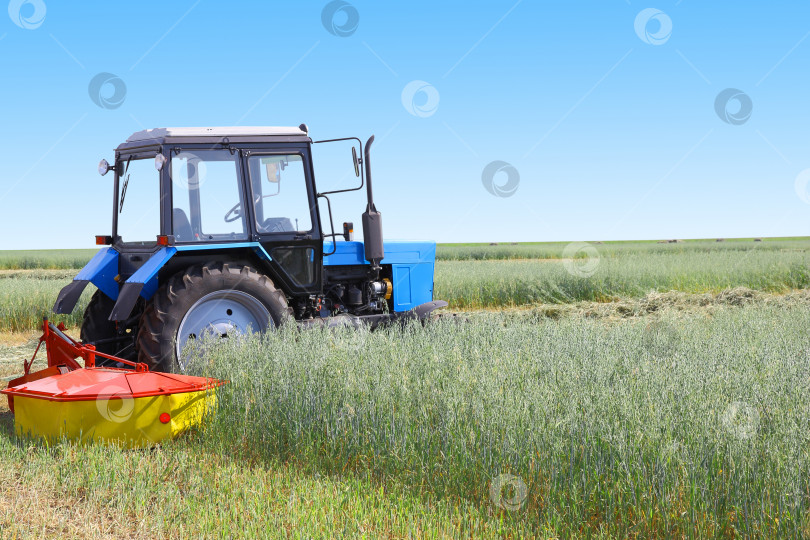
222 314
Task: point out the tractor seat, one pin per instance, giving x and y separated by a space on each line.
181 226
276 225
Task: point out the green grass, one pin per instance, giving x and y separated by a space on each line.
178 491
666 426
497 284
555 250
28 296
45 259
662 427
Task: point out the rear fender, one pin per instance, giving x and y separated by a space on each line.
100 271
144 282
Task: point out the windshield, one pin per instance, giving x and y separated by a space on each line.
138 201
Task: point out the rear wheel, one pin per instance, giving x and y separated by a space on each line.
222 299
98 330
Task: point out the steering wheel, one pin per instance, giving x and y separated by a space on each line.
236 211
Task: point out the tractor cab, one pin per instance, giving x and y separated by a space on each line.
206 189
221 230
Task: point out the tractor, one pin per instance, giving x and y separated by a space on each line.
220 231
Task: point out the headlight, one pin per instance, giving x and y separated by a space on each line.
103 167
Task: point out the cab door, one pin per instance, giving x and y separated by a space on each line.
285 216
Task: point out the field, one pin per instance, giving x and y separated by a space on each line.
45 259
603 390
475 277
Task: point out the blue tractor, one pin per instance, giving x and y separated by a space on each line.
218 231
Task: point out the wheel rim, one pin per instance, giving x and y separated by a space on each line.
223 314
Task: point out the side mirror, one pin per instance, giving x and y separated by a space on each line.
273 172
356 162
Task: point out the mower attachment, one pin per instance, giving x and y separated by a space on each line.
134 407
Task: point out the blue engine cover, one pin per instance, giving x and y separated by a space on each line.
412 265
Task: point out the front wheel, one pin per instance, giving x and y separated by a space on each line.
215 298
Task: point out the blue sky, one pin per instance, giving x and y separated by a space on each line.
611 133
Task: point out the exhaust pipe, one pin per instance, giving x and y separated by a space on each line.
372 220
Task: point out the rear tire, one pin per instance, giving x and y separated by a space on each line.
96 327
215 297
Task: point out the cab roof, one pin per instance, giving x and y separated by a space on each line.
234 134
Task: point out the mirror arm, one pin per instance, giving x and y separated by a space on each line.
332 225
362 171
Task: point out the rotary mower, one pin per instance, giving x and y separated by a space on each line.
133 407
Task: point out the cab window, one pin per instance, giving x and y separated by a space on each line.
207 199
280 194
138 201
